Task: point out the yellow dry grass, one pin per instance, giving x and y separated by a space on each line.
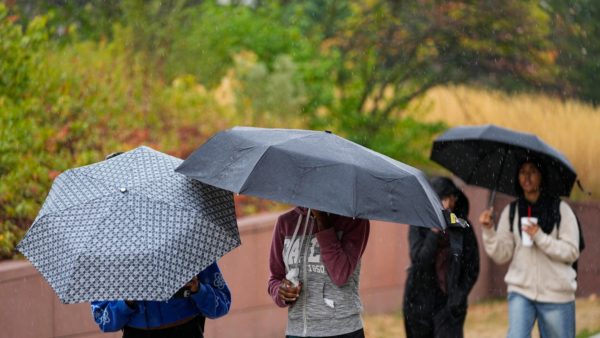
569 126
486 320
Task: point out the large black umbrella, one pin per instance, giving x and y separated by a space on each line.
128 228
316 170
488 156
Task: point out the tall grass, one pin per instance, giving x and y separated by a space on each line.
570 126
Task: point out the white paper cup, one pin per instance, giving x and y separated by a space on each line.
525 222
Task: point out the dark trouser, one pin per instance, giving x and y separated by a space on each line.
191 329
356 334
449 325
440 325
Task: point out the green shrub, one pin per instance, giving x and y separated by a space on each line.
67 102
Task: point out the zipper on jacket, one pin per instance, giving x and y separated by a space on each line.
304 263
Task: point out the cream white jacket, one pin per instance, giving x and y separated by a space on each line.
542 272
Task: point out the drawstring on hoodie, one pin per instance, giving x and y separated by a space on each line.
293 274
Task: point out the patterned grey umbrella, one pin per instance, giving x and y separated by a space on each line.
128 228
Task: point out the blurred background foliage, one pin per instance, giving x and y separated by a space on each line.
80 79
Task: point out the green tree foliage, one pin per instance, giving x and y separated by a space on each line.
67 106
576 34
153 24
207 40
262 95
18 54
386 53
19 66
88 18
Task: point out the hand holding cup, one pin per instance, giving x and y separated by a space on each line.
529 228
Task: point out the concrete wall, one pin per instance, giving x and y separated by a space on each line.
29 308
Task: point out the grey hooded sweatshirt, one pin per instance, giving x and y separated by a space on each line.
327 264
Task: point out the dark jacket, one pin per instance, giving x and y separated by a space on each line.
444 268
428 310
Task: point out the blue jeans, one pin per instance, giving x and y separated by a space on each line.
555 320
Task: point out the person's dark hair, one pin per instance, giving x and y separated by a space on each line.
538 164
115 154
445 187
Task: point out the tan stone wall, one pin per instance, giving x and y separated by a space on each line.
29 308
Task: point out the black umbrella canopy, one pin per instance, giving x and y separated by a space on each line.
489 156
317 170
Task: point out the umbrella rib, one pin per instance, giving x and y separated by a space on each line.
53 213
241 189
293 138
174 205
148 182
104 183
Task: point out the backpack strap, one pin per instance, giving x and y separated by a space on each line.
581 241
511 215
557 216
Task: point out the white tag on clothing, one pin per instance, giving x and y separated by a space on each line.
329 302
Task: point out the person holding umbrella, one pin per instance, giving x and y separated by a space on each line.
541 236
206 295
445 266
315 274
315 255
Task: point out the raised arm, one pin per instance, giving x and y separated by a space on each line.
341 256
499 244
213 298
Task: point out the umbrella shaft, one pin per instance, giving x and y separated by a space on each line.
492 198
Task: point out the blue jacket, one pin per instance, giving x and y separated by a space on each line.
212 300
